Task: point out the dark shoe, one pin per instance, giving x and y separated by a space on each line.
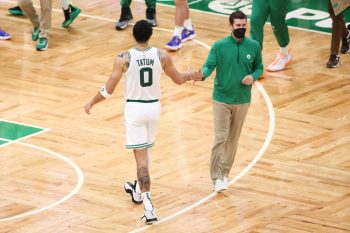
130 188
345 47
151 16
16 11
333 61
125 18
69 15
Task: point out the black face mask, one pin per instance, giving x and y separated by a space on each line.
239 32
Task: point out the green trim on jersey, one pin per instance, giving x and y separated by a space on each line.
143 50
143 101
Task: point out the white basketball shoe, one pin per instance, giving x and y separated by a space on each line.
131 190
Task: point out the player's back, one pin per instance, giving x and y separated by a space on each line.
143 75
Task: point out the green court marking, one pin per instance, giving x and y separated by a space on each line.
311 14
2 142
14 131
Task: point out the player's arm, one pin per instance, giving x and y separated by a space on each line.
120 62
173 73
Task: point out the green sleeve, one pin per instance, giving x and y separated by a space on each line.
210 63
257 65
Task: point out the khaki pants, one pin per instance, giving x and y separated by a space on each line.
45 19
228 123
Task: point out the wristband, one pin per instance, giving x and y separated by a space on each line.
104 93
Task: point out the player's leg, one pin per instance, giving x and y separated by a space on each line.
188 32
144 180
136 126
181 14
125 15
278 12
338 31
70 12
151 12
260 13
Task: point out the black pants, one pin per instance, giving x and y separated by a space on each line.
338 29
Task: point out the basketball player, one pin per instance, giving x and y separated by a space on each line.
142 66
339 32
184 30
277 10
126 15
70 12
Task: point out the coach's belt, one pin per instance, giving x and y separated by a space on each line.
142 101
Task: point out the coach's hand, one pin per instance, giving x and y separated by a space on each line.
248 80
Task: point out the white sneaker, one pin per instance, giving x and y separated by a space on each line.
226 181
281 61
220 185
149 216
131 190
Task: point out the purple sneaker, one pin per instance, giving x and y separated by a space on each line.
187 34
174 44
4 35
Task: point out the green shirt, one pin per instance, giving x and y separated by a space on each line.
233 61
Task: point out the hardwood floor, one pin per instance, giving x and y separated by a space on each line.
301 183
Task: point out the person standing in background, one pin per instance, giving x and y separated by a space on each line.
126 15
41 25
339 32
277 10
70 12
184 30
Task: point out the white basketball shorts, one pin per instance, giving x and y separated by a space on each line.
141 124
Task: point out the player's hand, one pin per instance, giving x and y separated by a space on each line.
248 80
88 106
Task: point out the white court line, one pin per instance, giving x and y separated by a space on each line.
22 138
76 189
244 171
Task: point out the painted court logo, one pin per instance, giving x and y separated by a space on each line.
311 14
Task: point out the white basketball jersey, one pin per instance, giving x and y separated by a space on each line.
143 75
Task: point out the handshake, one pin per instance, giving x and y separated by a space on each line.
195 75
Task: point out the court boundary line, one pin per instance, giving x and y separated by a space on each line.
78 171
245 170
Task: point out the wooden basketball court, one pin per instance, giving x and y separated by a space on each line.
63 171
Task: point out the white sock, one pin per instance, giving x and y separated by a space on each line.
147 202
178 30
137 189
65 4
285 50
188 24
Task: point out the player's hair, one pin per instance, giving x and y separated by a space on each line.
142 31
236 15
